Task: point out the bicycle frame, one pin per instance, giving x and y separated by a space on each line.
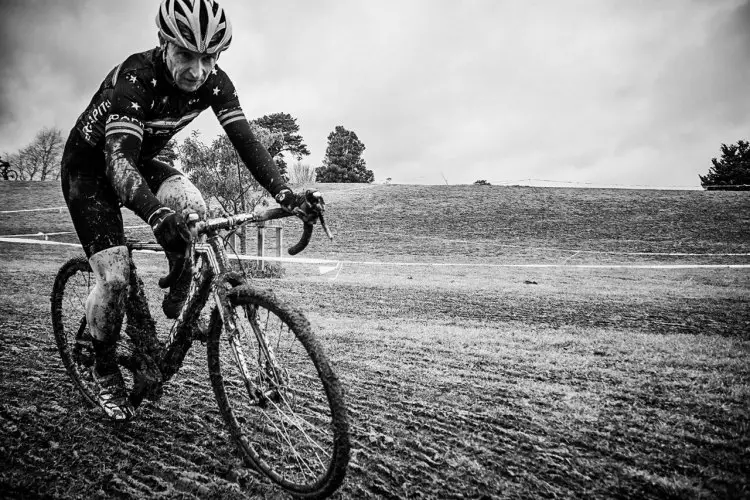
212 278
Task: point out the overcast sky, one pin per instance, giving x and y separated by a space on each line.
625 92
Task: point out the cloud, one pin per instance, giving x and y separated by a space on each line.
583 90
55 61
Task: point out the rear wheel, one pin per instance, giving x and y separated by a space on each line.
278 394
71 288
69 292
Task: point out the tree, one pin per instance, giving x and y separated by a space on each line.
169 154
286 125
221 176
40 160
219 173
343 161
732 171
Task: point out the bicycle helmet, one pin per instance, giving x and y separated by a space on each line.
198 25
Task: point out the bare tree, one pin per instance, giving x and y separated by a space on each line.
302 173
40 160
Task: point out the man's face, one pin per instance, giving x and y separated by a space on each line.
188 69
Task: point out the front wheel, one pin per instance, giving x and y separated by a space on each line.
278 395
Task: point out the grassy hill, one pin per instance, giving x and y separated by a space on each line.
484 223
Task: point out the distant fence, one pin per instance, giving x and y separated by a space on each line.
728 187
262 242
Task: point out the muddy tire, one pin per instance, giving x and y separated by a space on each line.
72 285
287 417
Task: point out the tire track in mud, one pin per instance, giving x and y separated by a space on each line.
432 422
683 315
407 435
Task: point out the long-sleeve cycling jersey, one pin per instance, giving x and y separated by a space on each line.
137 110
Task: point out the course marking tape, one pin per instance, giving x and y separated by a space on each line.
62 233
425 264
38 242
466 264
54 209
573 251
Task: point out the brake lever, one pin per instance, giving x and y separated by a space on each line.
317 205
325 227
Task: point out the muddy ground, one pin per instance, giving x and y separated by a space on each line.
462 382
554 400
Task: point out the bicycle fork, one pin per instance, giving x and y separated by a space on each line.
269 373
267 383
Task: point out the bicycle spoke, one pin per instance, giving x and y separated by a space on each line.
72 287
285 417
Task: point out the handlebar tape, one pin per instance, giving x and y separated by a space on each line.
307 231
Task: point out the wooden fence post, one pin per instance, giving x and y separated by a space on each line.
279 241
261 244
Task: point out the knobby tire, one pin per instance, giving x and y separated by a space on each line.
69 320
254 426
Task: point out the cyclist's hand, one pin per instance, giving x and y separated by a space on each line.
171 230
288 199
303 206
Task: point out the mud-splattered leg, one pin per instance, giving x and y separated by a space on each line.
105 305
179 194
105 308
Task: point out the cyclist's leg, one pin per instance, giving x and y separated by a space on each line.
173 188
105 306
95 212
175 191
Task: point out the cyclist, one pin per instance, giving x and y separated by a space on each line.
4 169
109 161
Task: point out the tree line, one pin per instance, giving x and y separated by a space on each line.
278 132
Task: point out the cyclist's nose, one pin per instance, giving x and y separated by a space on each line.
196 70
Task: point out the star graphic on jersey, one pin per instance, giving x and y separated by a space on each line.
214 71
216 90
234 93
132 78
153 82
135 106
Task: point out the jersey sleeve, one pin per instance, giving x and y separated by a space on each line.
123 139
223 98
130 99
226 105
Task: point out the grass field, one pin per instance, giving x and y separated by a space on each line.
471 370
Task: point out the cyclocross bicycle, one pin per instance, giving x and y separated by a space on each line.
6 171
276 390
